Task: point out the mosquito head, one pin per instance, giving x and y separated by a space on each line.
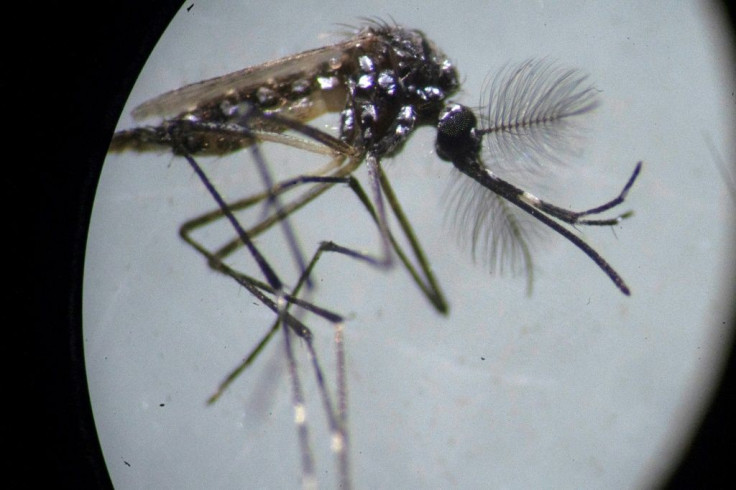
457 138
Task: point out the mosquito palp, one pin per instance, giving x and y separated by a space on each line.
383 82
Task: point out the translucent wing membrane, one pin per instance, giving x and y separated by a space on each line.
264 80
531 114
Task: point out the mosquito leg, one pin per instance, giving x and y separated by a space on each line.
261 292
336 420
424 279
274 282
377 210
266 269
240 134
428 284
374 172
323 184
274 286
378 183
266 223
273 202
258 288
281 306
309 478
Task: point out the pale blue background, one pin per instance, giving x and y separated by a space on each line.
580 386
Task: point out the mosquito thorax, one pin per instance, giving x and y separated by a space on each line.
399 80
457 138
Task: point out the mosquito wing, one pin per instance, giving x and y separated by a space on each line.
272 79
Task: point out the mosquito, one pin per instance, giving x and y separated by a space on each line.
383 81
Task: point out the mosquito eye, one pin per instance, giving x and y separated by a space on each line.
456 137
